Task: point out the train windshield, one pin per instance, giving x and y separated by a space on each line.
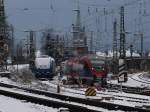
98 65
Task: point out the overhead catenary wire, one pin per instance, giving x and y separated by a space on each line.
98 12
110 11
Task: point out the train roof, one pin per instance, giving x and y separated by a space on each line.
44 62
45 57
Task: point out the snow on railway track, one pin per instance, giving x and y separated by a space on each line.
124 98
48 101
8 104
88 104
116 97
134 80
139 78
78 92
145 77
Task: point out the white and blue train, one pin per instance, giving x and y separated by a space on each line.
44 66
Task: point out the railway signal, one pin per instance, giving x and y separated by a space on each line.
122 61
122 71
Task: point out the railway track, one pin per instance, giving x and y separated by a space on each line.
134 90
114 95
114 87
141 81
46 101
141 76
131 99
127 89
89 102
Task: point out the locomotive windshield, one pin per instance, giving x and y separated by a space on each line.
98 65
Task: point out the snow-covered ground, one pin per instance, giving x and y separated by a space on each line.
13 105
15 67
48 98
120 97
134 80
7 81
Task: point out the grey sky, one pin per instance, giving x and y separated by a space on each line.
59 14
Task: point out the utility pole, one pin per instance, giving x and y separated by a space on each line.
131 51
17 61
105 14
3 37
131 55
141 35
115 50
27 46
31 47
12 42
122 35
91 42
20 52
141 29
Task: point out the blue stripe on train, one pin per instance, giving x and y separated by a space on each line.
43 73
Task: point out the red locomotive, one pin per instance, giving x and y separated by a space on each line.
82 71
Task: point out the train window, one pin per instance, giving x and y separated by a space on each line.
97 66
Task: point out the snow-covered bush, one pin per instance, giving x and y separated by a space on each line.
23 76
